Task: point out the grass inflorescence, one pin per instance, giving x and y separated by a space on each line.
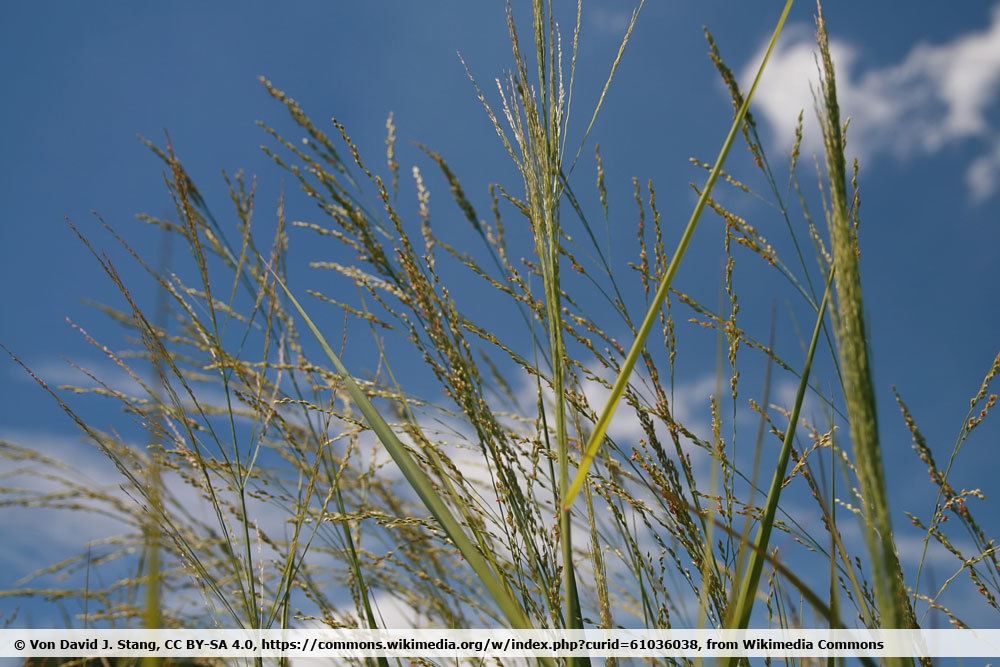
279 469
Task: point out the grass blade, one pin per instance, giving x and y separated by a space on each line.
608 413
418 479
739 614
859 389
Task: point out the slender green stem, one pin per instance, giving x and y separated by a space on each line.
618 390
859 387
418 479
739 615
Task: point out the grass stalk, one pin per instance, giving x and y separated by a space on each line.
859 388
417 478
652 313
738 616
282 449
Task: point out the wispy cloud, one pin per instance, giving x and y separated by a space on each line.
62 532
609 20
935 97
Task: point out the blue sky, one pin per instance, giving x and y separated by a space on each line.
83 79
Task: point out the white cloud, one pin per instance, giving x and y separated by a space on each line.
611 21
983 175
73 504
63 532
910 547
814 411
689 407
396 613
935 97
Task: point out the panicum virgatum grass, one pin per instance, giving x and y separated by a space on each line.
278 470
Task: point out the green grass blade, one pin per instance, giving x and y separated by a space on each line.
153 614
855 358
418 479
608 413
739 615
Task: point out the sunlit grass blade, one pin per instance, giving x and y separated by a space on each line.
738 615
417 478
153 612
618 389
859 388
